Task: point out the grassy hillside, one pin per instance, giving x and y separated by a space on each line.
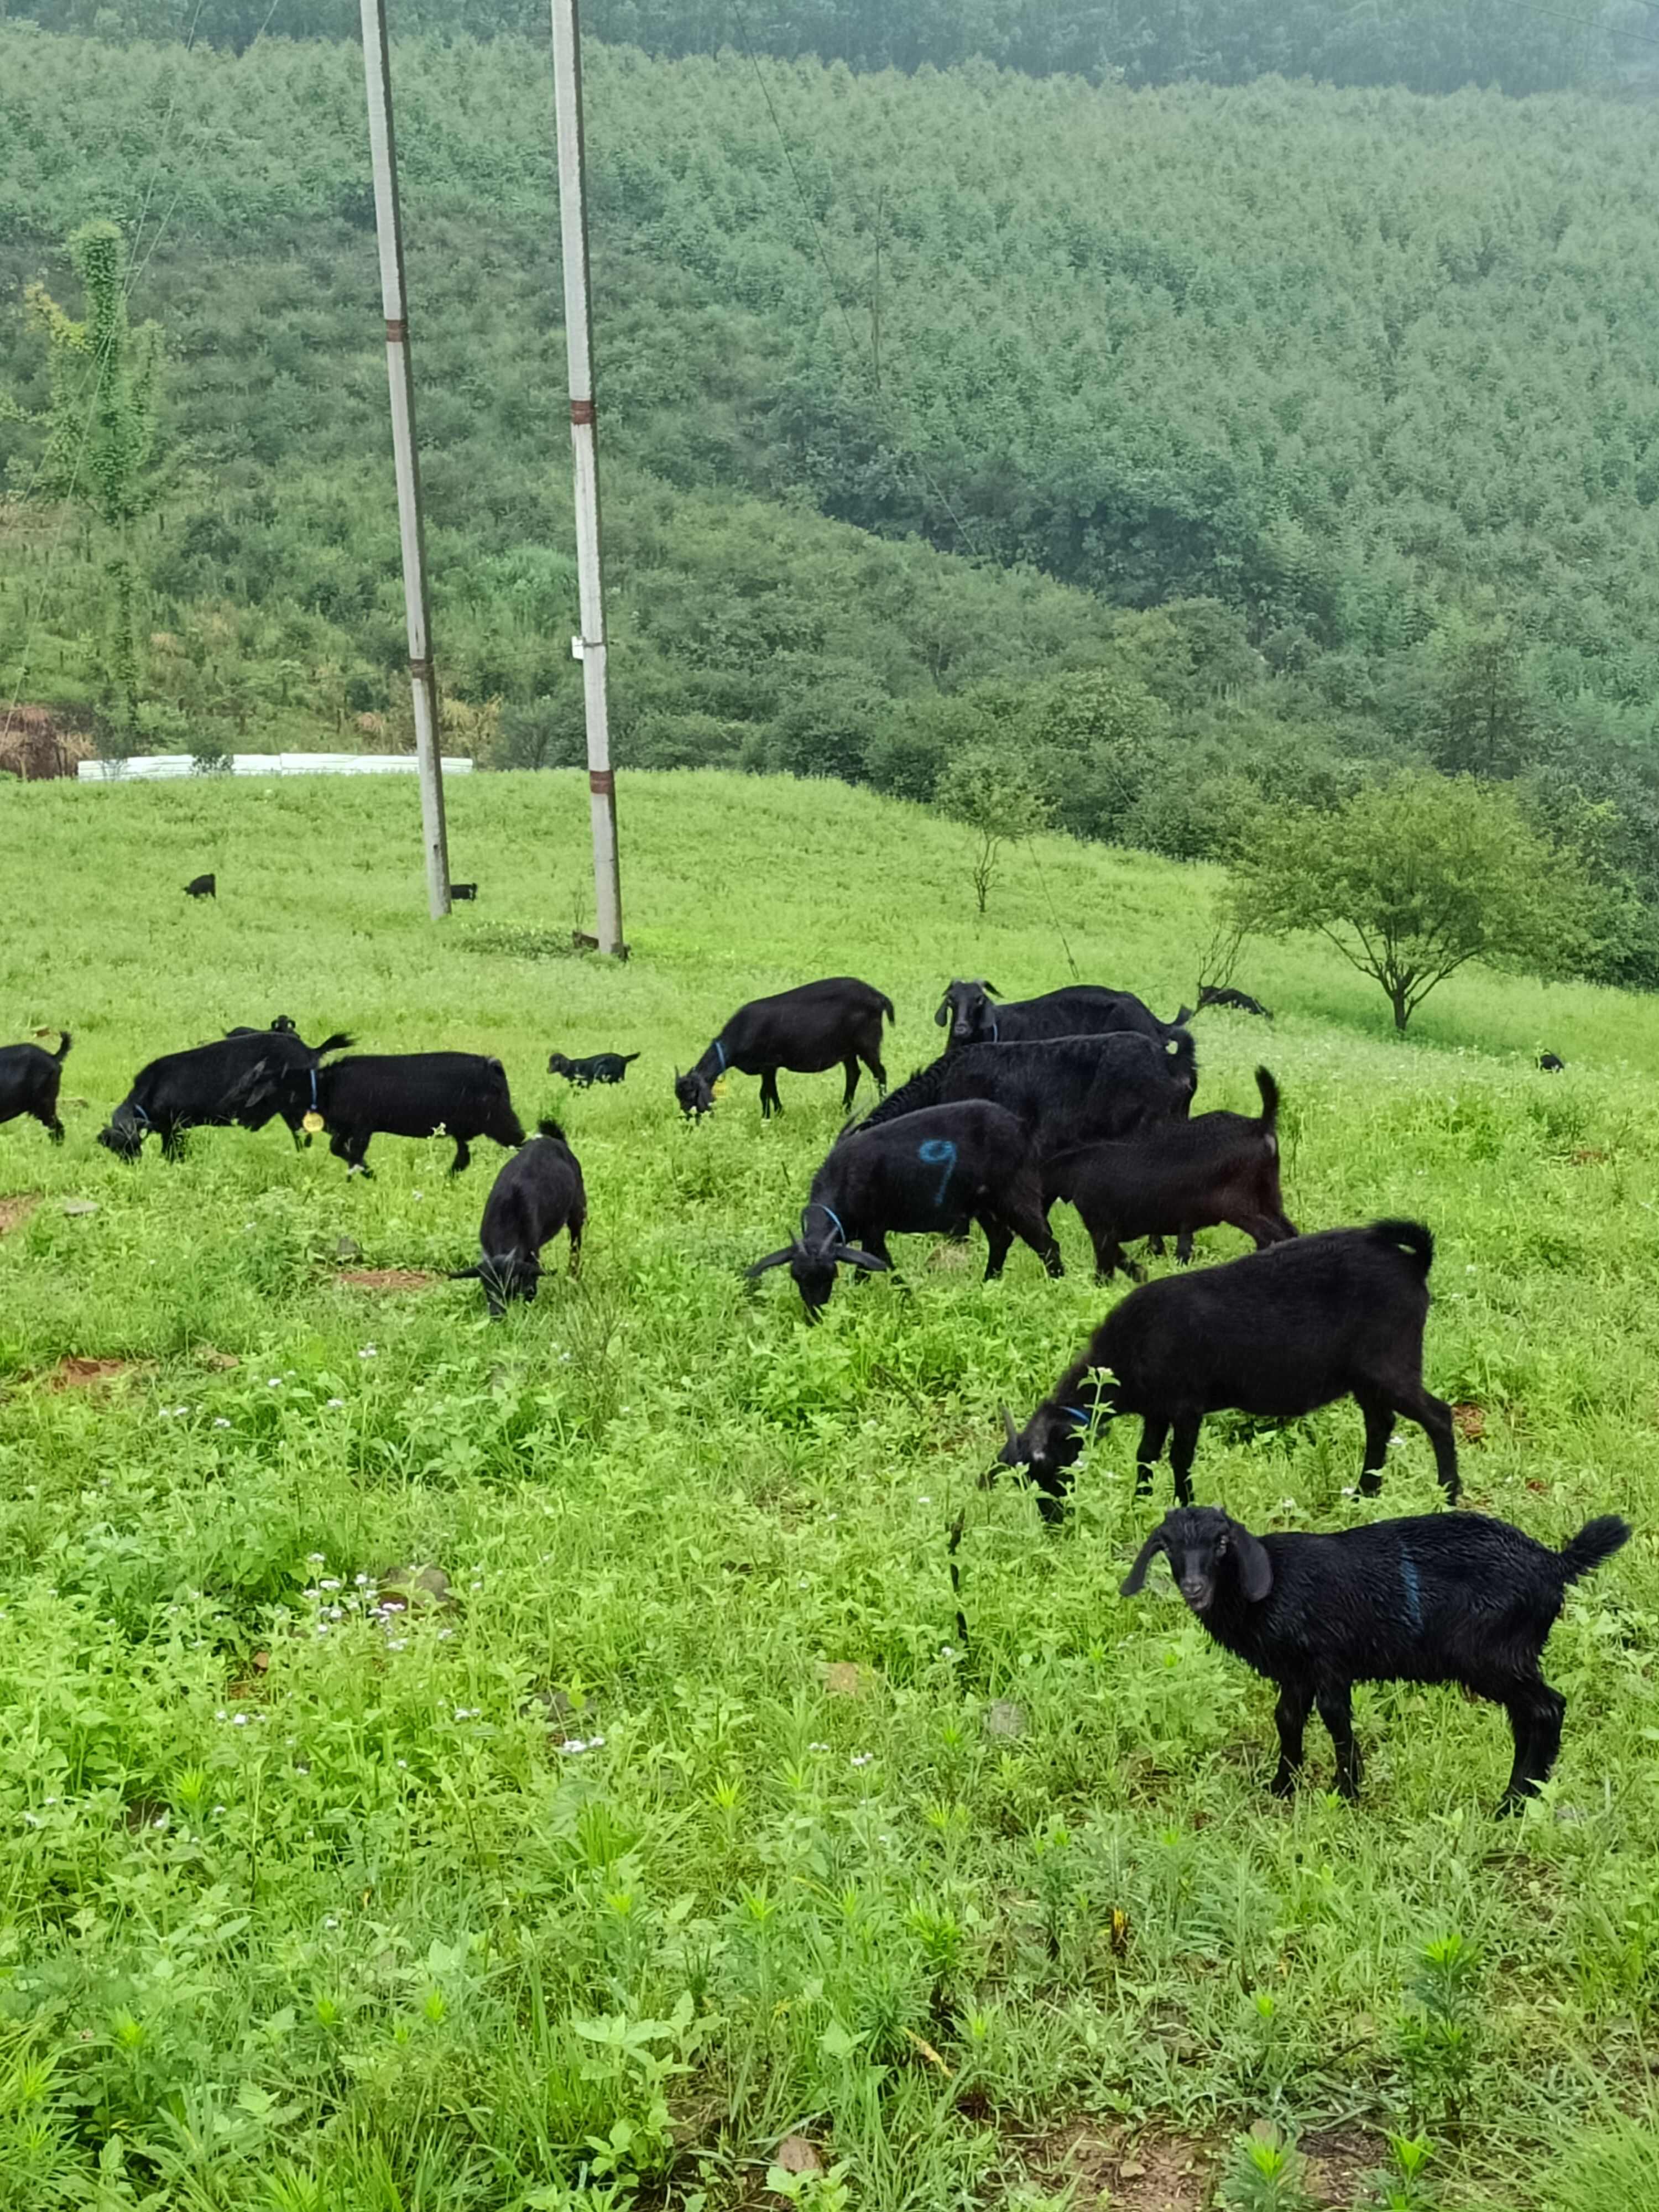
1371 370
310 1911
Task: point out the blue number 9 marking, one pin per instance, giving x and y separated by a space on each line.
934 1153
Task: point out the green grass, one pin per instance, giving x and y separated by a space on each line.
298 1919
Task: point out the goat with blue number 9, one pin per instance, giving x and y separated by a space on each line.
928 1174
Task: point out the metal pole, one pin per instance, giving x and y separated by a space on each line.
584 442
423 685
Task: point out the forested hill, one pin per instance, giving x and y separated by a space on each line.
1358 386
1429 45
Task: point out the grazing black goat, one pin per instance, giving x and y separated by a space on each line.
1223 994
202 887
1079 1009
538 1192
808 1030
1551 1063
29 1080
1278 1334
1175 1178
459 1094
602 1067
243 1080
1066 1091
463 890
1438 1598
927 1174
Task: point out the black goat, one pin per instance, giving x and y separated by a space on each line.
1079 1009
1066 1091
538 1192
1175 1178
808 1030
459 1094
1551 1063
29 1080
202 887
1223 994
463 890
1278 1334
1438 1598
602 1067
927 1174
243 1080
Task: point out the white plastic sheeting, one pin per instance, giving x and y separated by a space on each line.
147 767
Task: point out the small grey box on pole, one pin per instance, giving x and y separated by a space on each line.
423 683
584 442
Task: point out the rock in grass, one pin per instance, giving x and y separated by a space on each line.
413 1589
1004 1717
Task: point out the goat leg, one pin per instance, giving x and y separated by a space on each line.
1336 1711
1186 1426
1291 1714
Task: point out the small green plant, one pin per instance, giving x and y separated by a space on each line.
1266 2174
819 2190
1402 2186
640 2141
1438 2034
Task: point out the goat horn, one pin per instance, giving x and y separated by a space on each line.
1008 1424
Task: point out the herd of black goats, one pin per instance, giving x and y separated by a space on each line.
1082 1095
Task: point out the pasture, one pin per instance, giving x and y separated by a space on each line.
662 1817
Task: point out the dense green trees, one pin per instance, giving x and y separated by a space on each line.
1432 46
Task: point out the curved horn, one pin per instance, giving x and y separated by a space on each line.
772 1260
849 1255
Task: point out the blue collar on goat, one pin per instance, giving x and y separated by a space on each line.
840 1232
1077 1415
720 1049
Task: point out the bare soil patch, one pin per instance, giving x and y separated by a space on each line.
1151 2173
15 1211
1339 2159
385 1278
77 1371
1470 1422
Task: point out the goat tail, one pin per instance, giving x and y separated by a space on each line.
547 1127
64 1041
1595 1542
1409 1237
340 1041
887 1008
1269 1090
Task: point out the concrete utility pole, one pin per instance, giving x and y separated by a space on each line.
423 685
589 647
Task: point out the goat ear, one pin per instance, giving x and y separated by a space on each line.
849 1255
464 1275
1131 1584
1184 1018
772 1260
989 989
1256 1568
943 1015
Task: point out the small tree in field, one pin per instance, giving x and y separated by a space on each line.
1415 877
101 426
995 794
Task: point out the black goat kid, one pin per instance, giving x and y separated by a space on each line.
600 1067
538 1192
1440 1598
927 1174
1278 1334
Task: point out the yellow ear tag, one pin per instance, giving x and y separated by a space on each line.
311 1122
718 1090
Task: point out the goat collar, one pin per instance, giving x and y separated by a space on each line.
314 1090
1077 1414
719 1048
840 1232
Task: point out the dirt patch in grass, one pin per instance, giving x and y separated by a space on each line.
1339 2159
77 1371
1151 2173
1470 1422
385 1278
15 1211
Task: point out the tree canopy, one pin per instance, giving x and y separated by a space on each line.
1414 877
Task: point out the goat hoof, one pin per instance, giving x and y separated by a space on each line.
1371 1484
